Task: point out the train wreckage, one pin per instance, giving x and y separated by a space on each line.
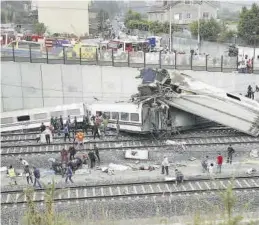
166 92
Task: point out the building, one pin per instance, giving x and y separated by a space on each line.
184 12
64 16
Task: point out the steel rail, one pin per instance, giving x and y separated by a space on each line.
136 189
123 145
12 139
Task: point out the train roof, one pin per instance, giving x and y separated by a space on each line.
40 110
117 107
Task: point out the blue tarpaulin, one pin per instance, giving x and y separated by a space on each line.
149 76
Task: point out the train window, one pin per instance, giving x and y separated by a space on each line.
40 116
74 112
56 113
6 120
107 115
23 118
124 116
134 117
115 115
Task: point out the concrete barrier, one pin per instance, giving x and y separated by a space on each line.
31 85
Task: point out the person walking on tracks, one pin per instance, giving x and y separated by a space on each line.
165 166
91 158
204 164
61 122
96 151
72 152
117 129
36 173
96 130
231 151
179 176
28 174
12 174
69 174
219 163
67 134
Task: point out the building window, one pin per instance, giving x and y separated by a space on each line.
188 15
205 15
178 16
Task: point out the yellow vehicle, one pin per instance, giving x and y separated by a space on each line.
88 51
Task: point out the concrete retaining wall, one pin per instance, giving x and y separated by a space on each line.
29 85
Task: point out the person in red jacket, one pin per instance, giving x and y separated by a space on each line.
219 162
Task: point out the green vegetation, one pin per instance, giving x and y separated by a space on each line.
47 216
211 30
134 20
222 214
248 26
39 28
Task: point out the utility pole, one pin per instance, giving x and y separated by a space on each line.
199 14
170 28
254 44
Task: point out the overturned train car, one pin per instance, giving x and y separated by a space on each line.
181 91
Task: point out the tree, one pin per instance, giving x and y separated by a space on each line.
102 17
39 28
209 29
248 26
131 16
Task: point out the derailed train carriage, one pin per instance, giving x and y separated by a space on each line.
32 118
145 118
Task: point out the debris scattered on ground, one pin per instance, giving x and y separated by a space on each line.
52 160
4 168
82 171
180 165
137 162
251 171
118 145
118 167
105 169
150 168
170 142
170 178
136 154
192 159
254 153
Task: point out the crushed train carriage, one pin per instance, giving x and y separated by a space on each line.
178 90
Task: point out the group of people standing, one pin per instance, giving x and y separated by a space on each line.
29 174
251 91
208 165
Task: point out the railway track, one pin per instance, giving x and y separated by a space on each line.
129 144
129 190
213 130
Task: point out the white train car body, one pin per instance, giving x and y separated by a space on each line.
142 118
128 115
206 101
32 118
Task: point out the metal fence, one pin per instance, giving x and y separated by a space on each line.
82 56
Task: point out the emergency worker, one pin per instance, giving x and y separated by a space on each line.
12 174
